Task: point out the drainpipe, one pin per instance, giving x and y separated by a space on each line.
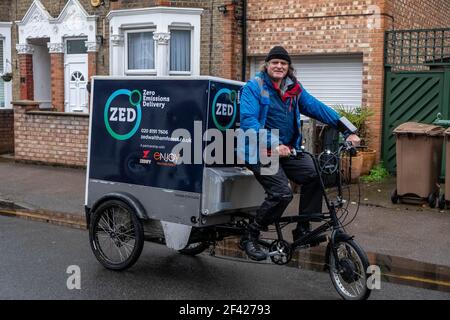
244 39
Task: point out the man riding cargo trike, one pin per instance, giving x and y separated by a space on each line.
190 161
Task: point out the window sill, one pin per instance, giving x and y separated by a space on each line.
180 73
140 73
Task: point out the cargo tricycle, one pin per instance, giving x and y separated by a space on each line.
138 190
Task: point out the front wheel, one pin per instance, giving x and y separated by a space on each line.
116 235
349 275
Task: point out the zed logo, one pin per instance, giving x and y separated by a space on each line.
224 109
123 113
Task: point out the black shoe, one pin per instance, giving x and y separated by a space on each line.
300 231
244 239
254 251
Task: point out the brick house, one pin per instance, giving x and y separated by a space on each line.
55 46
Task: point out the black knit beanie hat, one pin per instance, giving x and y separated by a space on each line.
278 52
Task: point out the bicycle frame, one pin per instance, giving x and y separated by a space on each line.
330 217
332 221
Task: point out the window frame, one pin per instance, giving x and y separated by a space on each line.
191 62
139 71
66 47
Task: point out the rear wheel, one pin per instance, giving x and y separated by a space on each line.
394 196
442 202
432 200
349 275
116 235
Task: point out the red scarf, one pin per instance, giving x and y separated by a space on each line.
292 92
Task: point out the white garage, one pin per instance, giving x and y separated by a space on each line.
332 79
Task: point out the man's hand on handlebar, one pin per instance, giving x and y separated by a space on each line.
354 140
283 151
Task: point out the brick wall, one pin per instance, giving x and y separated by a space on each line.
57 76
50 137
6 131
321 27
26 77
419 14
313 27
5 9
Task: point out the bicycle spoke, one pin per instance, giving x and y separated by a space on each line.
115 234
103 227
353 290
120 253
127 249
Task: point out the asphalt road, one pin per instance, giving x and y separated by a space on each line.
35 256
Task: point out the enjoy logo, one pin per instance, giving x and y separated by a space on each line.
123 113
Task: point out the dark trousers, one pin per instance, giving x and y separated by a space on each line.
300 170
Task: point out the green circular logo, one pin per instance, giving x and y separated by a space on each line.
223 110
123 113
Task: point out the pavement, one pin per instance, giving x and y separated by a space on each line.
415 236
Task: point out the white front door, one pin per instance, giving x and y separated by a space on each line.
76 78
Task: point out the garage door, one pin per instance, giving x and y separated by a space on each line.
335 80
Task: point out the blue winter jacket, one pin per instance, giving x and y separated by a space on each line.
259 94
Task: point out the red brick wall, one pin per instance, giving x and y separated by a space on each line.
321 27
313 27
57 76
26 77
50 137
92 64
419 14
222 33
6 131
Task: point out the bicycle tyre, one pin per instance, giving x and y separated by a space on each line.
338 280
118 235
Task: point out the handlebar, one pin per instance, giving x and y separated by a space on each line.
346 146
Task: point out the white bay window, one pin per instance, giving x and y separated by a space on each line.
140 48
180 51
155 41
